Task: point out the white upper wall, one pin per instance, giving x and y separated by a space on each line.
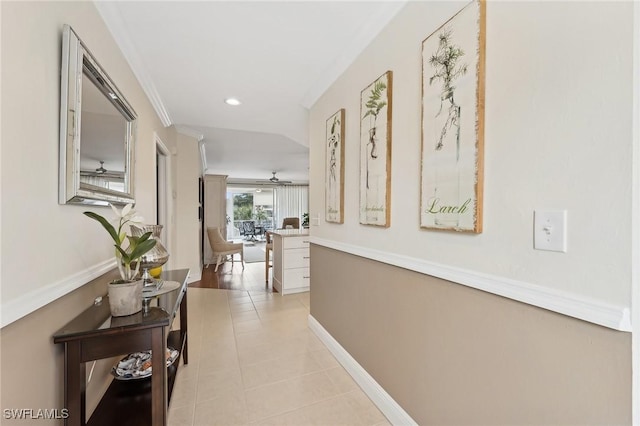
47 247
558 136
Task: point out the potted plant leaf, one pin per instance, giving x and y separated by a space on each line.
125 294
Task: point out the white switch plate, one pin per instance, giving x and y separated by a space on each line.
550 230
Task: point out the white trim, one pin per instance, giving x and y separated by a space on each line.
113 21
570 304
29 302
385 403
189 132
352 50
191 278
635 221
203 158
169 210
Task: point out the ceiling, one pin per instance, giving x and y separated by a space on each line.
276 57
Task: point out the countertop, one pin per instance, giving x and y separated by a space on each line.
291 232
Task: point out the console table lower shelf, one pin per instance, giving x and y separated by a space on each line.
128 403
94 334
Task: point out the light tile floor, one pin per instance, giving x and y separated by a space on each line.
254 361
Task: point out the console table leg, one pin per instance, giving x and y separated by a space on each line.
75 387
159 398
183 328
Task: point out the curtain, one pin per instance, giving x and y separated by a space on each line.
290 201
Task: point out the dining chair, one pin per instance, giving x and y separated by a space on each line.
220 247
267 258
293 222
249 230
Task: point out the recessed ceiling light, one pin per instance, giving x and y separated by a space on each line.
232 101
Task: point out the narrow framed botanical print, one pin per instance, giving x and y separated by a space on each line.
375 152
334 171
452 148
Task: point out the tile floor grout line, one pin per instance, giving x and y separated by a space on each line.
235 339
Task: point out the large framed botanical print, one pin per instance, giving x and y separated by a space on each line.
453 62
375 152
334 168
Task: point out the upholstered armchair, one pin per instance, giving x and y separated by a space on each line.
222 248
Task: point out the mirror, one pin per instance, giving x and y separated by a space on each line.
97 131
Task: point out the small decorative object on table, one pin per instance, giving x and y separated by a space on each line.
153 260
125 294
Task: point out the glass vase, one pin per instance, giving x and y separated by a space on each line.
158 255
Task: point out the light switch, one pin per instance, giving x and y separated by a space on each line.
550 230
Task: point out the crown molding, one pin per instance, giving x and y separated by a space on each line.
351 51
113 21
187 131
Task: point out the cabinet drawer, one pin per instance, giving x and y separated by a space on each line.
295 242
296 278
296 258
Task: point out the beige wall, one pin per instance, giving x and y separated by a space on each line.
44 245
36 230
558 118
189 170
558 135
453 355
33 366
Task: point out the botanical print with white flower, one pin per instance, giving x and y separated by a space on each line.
334 184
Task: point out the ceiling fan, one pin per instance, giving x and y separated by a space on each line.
101 169
274 180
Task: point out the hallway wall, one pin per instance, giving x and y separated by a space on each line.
558 135
452 355
54 261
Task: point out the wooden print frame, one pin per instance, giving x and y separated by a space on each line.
375 152
452 159
334 168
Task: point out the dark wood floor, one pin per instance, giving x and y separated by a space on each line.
229 277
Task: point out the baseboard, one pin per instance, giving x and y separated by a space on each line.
385 403
194 276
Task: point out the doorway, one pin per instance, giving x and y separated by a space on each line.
163 205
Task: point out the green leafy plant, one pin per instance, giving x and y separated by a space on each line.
126 256
446 69
305 219
374 105
260 213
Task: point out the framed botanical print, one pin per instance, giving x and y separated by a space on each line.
334 168
375 152
453 65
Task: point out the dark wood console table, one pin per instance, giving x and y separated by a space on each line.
95 334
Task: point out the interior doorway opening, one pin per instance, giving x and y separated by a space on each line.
163 193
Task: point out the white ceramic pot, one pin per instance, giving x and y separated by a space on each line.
126 298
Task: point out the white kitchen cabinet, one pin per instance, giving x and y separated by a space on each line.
291 261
